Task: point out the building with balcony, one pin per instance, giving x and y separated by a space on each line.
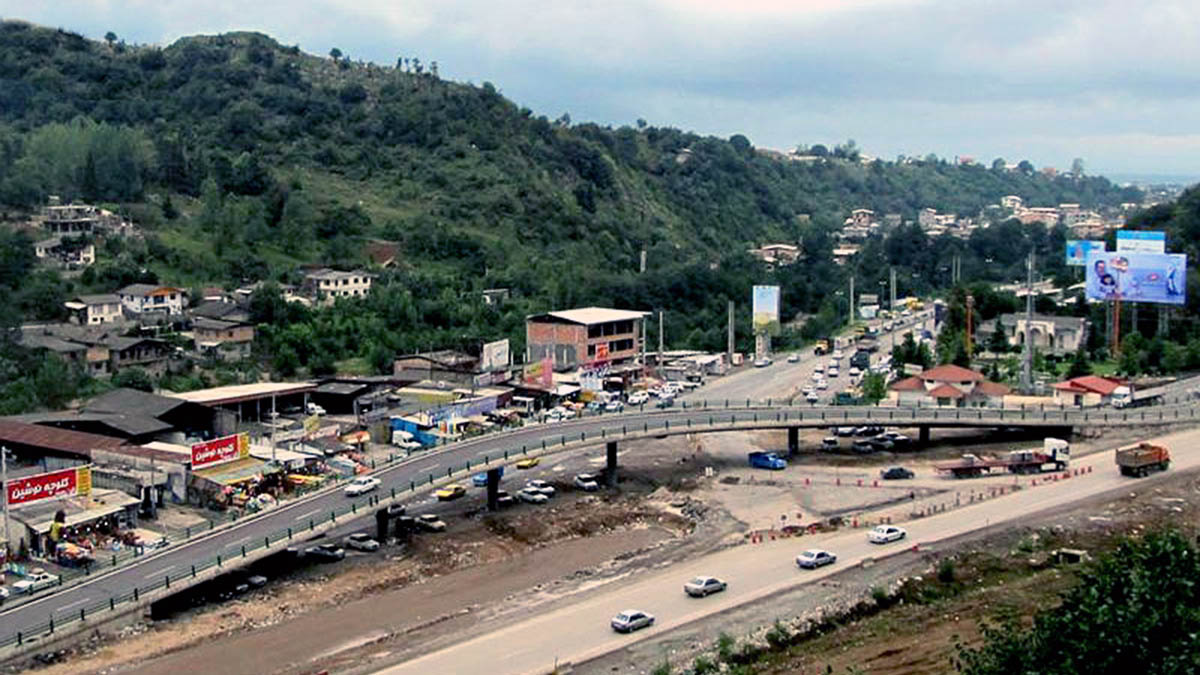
141 299
326 285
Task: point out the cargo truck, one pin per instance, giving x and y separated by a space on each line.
822 347
1054 455
767 460
1141 459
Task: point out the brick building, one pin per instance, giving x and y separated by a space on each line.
581 336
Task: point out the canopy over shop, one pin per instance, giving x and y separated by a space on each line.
89 523
244 483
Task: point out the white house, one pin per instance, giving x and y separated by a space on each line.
150 299
949 386
93 310
326 285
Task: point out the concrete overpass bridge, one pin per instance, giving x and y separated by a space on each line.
109 593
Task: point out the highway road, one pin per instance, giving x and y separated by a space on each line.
580 631
177 560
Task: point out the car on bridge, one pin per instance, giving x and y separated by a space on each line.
702 586
814 558
450 492
529 462
631 620
362 485
36 580
665 402
812 397
883 534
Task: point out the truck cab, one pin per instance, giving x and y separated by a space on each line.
767 460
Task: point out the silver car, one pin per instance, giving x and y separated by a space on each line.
815 558
702 586
530 496
631 620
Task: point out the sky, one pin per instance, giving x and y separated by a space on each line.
1112 82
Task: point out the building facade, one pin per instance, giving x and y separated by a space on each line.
140 299
580 337
949 386
95 310
325 286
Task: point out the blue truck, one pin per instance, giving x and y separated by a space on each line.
767 460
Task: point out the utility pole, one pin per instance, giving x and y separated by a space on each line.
851 322
970 323
1027 361
660 343
7 530
729 345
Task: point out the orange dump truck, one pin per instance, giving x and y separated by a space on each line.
1141 459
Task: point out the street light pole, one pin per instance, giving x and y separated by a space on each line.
4 474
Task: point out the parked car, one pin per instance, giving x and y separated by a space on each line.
587 482
532 496
863 447
762 363
702 586
540 486
36 580
897 438
832 372
314 409
638 398
812 397
665 402
529 462
829 443
325 553
822 385
430 522
793 358
814 558
631 620
896 473
854 371
480 479
450 492
614 407
504 499
257 580
361 541
3 594
361 485
883 534
870 430
818 369
843 431
881 442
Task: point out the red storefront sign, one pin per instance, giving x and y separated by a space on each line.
64 483
220 451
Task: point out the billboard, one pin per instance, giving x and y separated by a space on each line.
766 310
495 355
1141 241
540 373
1079 249
220 451
1137 277
64 483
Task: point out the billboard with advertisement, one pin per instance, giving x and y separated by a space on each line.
1137 277
495 356
1079 249
63 483
220 451
1141 241
765 310
540 373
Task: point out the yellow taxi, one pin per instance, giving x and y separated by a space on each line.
449 492
529 462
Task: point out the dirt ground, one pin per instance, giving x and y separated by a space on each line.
675 500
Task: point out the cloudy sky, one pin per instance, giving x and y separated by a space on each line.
1112 81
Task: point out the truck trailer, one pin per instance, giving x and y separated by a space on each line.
1141 459
1054 455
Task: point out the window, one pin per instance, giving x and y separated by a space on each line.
591 350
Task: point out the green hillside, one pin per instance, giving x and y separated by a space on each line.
244 159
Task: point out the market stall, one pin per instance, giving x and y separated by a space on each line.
247 483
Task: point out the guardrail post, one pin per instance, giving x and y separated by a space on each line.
218 565
768 402
747 403
112 604
393 493
267 542
449 472
726 403
82 616
19 638
706 404
243 550
412 486
135 599
469 464
602 433
583 436
187 532
562 440
710 420
114 560
332 517
645 427
52 621
505 454
689 423
354 507
667 425
194 567
311 525
166 582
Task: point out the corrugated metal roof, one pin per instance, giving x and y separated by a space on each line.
50 438
592 315
127 401
244 392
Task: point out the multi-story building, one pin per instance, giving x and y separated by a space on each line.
66 253
1058 335
94 310
224 339
327 285
584 336
142 299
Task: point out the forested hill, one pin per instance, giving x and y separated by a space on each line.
244 159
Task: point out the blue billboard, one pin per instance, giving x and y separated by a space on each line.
1137 277
1078 250
1141 241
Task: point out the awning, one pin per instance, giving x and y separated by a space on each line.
239 471
566 390
357 437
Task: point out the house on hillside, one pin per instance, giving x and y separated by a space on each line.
224 340
94 310
65 253
326 285
949 386
148 299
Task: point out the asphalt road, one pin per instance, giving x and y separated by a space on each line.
581 631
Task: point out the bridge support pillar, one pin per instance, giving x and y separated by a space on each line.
493 489
381 525
610 469
924 435
793 440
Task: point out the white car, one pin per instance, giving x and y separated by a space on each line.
832 372
818 376
812 397
540 486
854 371
631 620
37 579
883 534
314 409
814 558
362 485
762 363
638 398
614 407
361 541
532 496
818 369
587 482
822 385
837 355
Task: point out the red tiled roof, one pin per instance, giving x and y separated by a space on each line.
989 388
51 438
951 373
946 391
908 384
1089 383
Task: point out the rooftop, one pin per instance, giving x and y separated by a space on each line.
591 315
949 372
244 392
50 438
1090 384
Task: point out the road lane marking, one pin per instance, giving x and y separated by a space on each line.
306 514
159 573
74 604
